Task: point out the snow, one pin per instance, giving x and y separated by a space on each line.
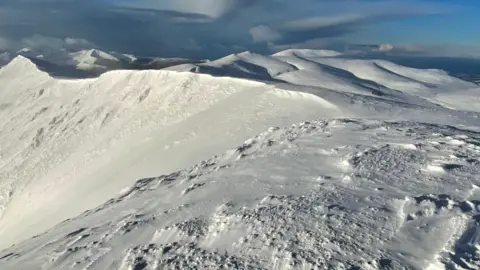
320 69
24 50
383 176
130 57
462 99
276 202
89 59
308 53
124 119
90 56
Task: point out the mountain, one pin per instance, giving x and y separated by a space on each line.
94 59
296 160
90 62
325 70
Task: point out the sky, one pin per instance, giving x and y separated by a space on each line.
214 28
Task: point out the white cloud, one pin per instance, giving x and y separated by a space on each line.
263 33
210 8
385 47
41 42
410 48
446 50
44 43
77 42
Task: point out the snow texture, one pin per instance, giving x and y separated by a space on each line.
385 178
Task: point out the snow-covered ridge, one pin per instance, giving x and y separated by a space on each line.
308 53
71 131
91 62
328 70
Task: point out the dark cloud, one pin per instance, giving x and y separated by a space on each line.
196 29
445 50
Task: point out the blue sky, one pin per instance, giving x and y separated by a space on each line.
213 28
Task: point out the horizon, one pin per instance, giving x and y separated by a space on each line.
239 134
209 29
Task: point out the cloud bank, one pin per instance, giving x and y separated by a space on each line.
196 29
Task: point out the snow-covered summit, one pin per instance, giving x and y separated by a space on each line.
19 66
308 53
93 59
90 56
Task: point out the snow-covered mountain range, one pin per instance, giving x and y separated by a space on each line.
90 62
298 160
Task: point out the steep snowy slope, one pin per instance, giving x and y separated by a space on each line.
82 141
338 194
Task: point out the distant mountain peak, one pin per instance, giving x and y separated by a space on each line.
308 53
92 55
21 60
93 59
21 65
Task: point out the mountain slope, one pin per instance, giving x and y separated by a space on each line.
301 197
123 126
81 142
328 70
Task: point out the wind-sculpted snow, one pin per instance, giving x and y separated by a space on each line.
336 194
